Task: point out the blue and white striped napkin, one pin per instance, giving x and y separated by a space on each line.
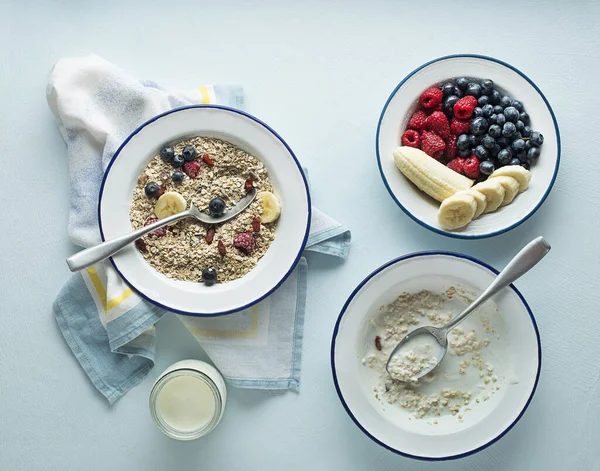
109 328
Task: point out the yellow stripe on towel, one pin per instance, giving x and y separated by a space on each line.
97 282
205 95
231 334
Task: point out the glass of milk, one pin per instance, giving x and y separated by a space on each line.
188 399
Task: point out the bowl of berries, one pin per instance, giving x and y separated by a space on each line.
468 146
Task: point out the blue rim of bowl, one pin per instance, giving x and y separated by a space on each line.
357 290
308 221
435 229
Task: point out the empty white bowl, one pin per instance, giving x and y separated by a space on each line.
514 347
403 102
251 135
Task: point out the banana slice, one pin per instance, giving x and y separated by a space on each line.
511 188
430 176
457 211
271 207
479 199
494 193
522 175
168 204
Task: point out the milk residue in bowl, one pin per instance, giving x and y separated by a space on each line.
468 376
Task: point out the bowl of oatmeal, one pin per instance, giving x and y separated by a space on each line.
479 391
210 157
490 137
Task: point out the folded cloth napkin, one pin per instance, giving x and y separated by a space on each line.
109 328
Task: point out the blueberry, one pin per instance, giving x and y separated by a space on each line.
495 97
505 101
518 145
502 141
522 156
478 126
495 130
178 161
177 177
496 150
518 105
536 139
486 167
520 126
481 153
492 119
526 132
511 114
478 111
515 161
488 110
525 166
209 276
151 190
483 100
462 82
189 153
487 86
500 119
449 104
463 142
509 129
167 154
524 117
216 207
504 156
488 141
458 92
498 109
448 89
464 153
528 144
473 89
533 154
474 140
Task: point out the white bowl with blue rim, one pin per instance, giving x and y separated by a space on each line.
404 101
514 350
249 134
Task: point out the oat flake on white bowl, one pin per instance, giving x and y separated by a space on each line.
496 398
245 132
403 102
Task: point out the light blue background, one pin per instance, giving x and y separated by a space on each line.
319 73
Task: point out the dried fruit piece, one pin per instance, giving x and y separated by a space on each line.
222 249
256 224
248 185
160 232
244 242
207 160
378 343
210 235
141 245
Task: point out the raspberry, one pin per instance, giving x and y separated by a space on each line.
438 123
431 97
244 242
160 232
451 148
411 138
191 168
432 144
439 107
207 160
417 120
457 165
471 167
460 126
464 107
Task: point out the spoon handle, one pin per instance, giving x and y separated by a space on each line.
97 253
526 259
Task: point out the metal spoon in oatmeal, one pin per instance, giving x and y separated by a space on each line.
92 255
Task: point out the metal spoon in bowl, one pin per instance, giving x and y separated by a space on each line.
89 256
529 256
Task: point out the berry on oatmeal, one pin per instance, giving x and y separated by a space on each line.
471 167
151 190
210 235
432 144
438 123
177 177
256 224
216 207
417 120
160 232
431 97
248 185
411 138
141 245
222 249
463 109
167 154
177 161
244 242
191 169
209 276
207 160
189 153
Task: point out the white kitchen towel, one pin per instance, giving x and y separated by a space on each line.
109 328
